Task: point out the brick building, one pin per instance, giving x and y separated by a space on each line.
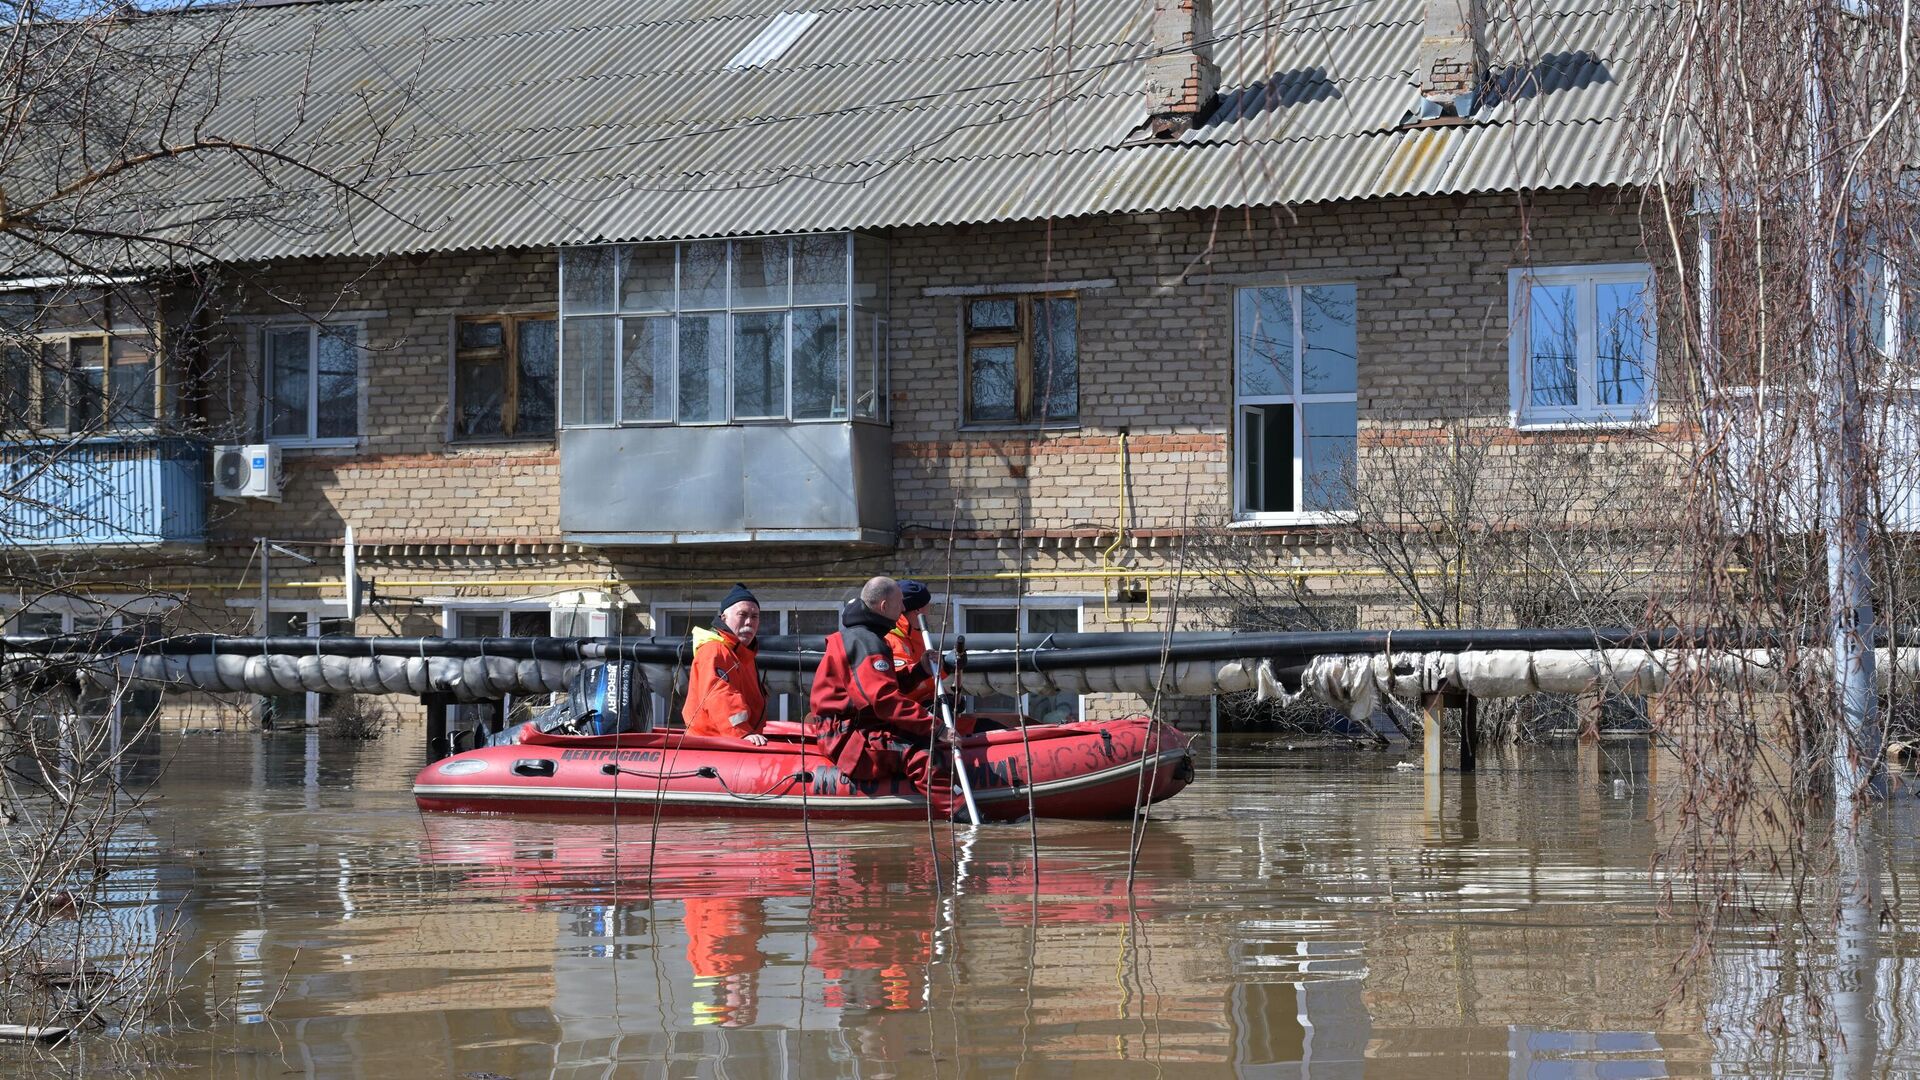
648 302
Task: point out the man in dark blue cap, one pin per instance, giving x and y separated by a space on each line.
909 644
725 697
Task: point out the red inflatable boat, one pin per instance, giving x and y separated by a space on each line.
1091 769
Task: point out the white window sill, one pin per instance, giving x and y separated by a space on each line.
1582 423
317 444
753 421
1295 518
494 442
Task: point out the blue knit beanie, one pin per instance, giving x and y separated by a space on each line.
738 593
916 594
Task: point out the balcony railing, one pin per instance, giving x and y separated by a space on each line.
119 490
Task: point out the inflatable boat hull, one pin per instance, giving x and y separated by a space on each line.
1091 769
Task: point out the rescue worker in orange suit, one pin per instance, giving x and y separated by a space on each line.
909 645
723 949
725 697
869 726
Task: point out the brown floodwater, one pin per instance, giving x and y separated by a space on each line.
1291 914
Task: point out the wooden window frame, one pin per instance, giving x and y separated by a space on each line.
1020 337
508 354
56 350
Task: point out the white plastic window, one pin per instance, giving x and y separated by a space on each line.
312 384
1582 345
1296 381
1032 619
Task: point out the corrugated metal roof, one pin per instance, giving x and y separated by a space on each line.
505 123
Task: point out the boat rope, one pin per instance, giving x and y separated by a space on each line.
614 770
803 778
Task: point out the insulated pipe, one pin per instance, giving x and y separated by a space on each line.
1300 647
998 642
658 650
1060 651
784 650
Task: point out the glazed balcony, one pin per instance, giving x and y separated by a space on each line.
726 391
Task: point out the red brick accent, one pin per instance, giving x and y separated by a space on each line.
1003 446
452 460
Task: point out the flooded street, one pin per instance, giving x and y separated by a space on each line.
1293 914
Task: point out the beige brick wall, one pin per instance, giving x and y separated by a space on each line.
989 511
1156 345
1155 350
404 480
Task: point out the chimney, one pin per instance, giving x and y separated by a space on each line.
1451 62
1182 80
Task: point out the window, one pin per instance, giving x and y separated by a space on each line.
78 360
503 376
1296 378
138 701
516 621
1022 360
1893 308
715 331
80 383
312 380
1582 345
1030 620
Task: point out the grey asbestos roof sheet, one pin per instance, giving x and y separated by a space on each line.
505 123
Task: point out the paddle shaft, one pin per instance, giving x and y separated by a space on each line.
946 717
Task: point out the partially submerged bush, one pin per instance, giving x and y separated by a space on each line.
359 717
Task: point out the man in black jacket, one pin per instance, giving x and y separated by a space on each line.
869 726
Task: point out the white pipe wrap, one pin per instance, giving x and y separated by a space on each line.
1355 684
472 679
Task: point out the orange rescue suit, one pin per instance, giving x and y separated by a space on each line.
909 660
724 695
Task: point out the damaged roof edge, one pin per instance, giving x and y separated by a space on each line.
721 233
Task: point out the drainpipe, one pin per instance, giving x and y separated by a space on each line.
1109 571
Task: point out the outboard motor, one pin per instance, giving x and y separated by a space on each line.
609 697
617 699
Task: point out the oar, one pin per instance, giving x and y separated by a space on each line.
946 716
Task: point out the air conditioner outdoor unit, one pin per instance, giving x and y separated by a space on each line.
247 472
579 622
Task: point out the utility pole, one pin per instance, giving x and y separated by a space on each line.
266 613
266 578
1843 471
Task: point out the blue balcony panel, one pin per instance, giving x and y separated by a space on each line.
120 490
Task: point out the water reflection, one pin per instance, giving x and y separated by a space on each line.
1293 916
696 926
